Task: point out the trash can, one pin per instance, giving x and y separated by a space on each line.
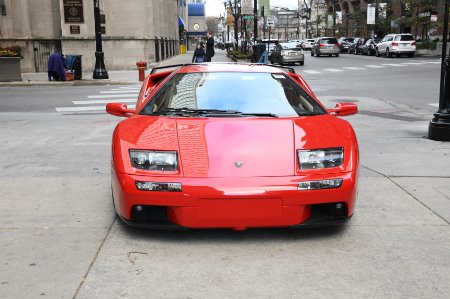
74 64
258 50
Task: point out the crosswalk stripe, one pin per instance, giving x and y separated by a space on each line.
393 64
333 70
104 101
311 72
119 91
128 88
374 66
353 68
104 96
86 108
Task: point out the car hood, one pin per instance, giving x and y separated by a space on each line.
230 147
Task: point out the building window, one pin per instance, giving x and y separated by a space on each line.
2 7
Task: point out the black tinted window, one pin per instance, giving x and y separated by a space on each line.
329 41
404 38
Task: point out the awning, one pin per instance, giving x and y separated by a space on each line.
181 22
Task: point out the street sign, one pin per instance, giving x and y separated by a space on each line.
270 22
247 17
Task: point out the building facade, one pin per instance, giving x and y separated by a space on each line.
132 31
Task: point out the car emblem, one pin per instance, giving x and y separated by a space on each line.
238 164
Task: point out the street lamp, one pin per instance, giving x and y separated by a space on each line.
439 128
100 69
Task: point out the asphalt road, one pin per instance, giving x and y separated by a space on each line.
59 237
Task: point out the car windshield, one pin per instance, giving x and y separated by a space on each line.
228 94
404 38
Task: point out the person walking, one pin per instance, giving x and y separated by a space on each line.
199 53
209 47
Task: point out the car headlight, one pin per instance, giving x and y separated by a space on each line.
321 158
154 160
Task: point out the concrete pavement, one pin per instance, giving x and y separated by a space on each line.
59 237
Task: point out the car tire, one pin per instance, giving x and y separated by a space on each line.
388 53
330 55
377 53
312 53
411 55
302 62
337 55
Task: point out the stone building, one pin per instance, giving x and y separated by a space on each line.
132 31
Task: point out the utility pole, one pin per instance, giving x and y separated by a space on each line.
255 21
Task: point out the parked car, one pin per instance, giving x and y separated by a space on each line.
307 44
232 146
325 46
369 47
344 44
355 46
285 53
396 44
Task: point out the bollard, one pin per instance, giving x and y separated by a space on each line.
142 66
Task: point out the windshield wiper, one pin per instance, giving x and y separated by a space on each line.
208 112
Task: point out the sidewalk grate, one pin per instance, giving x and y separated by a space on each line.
391 116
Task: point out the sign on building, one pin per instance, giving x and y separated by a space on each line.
73 11
370 14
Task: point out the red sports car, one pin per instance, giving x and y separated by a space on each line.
232 146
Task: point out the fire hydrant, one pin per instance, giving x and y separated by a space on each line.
142 66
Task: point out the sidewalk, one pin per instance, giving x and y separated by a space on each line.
115 77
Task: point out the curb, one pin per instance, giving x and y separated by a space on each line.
63 83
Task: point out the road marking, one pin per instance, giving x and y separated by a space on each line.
311 72
374 66
434 105
85 108
112 96
413 63
353 68
393 64
104 101
433 62
333 70
119 91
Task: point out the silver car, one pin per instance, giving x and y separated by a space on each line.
307 44
325 46
284 53
396 44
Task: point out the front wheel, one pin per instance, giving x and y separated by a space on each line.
302 62
388 53
337 55
312 53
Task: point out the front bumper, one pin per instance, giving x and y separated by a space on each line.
236 203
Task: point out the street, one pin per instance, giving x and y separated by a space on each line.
60 238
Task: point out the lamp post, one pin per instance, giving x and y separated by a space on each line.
439 128
100 69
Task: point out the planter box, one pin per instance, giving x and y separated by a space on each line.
10 69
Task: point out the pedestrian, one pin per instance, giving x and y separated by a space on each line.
56 67
199 53
209 47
